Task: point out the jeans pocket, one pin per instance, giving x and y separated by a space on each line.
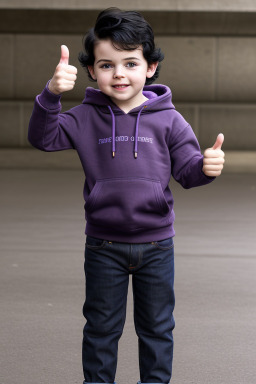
94 243
164 244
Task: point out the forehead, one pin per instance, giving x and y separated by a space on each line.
110 50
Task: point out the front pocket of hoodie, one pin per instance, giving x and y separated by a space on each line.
127 204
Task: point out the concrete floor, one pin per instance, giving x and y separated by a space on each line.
42 281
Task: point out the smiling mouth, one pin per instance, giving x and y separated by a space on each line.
118 86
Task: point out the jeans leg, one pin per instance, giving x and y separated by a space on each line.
104 309
153 290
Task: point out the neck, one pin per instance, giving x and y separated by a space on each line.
126 106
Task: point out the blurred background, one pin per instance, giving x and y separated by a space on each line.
210 62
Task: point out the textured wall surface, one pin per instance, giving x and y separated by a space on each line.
210 60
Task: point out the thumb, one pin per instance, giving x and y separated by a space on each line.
64 55
219 141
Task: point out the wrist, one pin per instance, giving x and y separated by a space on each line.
49 100
52 89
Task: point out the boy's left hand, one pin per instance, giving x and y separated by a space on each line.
214 158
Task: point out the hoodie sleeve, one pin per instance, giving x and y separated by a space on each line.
186 157
49 130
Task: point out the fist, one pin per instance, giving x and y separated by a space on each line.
64 76
214 158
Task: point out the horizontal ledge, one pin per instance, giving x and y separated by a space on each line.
236 161
164 22
164 5
250 105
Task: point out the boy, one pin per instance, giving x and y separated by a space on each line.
130 140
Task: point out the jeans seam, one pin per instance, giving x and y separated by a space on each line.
139 261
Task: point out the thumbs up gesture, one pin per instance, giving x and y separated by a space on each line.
64 76
214 158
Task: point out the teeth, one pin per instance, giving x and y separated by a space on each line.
120 86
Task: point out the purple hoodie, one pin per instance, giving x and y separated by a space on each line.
128 159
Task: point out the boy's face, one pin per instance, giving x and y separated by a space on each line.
121 74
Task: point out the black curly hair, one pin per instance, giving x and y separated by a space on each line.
127 30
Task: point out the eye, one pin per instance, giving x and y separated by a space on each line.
131 64
105 66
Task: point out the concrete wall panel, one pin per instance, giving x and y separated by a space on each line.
6 66
190 115
237 123
188 67
46 21
27 158
236 69
217 23
10 125
26 111
64 21
40 55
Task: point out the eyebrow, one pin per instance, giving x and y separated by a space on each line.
127 58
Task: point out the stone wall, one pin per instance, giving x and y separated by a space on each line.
210 61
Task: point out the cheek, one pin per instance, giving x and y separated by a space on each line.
139 78
103 80
141 73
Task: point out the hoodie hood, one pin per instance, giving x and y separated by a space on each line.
159 98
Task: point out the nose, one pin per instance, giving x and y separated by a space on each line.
118 73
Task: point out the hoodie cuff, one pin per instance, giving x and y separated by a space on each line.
49 100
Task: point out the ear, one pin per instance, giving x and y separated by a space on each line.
91 70
151 69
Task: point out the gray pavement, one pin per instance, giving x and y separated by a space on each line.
42 281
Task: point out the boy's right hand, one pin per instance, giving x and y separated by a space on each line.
64 76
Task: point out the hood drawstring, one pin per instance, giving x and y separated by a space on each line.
113 132
136 132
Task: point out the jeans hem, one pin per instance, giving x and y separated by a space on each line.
139 382
87 382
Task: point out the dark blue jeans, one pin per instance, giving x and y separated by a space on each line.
107 268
